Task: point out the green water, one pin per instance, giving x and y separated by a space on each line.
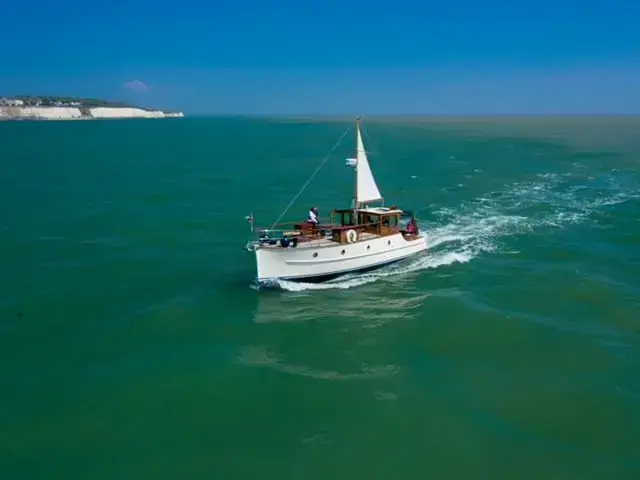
132 344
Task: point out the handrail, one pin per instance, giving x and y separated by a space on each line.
322 221
360 226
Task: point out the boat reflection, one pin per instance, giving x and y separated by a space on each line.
367 309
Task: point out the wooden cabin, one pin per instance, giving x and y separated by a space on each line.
373 221
377 221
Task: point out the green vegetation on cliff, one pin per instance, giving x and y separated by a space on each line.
49 101
84 104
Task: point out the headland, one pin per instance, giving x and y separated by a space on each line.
25 107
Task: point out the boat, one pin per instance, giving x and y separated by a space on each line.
357 239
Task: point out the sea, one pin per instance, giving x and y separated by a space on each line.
135 344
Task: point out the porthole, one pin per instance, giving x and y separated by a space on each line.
368 247
388 242
315 254
343 252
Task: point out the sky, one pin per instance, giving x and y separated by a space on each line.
329 56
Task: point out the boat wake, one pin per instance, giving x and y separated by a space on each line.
481 225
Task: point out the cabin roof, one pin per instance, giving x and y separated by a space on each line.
371 210
379 210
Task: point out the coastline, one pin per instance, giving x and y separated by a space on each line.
18 113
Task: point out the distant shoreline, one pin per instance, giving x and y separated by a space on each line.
23 107
75 113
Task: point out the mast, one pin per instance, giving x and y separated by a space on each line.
355 197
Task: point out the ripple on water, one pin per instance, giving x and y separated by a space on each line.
261 356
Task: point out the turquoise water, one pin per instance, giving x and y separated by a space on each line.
132 344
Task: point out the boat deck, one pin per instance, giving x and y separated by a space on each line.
323 241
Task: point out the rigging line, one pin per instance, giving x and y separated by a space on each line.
310 178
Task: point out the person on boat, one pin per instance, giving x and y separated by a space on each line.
313 216
412 228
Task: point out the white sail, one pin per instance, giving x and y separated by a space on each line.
367 190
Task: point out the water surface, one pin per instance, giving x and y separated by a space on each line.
133 346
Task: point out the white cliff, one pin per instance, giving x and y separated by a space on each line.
73 113
45 113
108 112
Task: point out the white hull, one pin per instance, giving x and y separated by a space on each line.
327 259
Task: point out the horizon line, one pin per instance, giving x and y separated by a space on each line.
404 115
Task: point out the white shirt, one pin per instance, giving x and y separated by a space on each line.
313 218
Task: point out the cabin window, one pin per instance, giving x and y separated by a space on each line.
393 222
366 219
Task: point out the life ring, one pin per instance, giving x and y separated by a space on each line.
352 236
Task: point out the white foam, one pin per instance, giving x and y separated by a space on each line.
480 226
415 264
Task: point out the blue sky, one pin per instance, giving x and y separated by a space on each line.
285 56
